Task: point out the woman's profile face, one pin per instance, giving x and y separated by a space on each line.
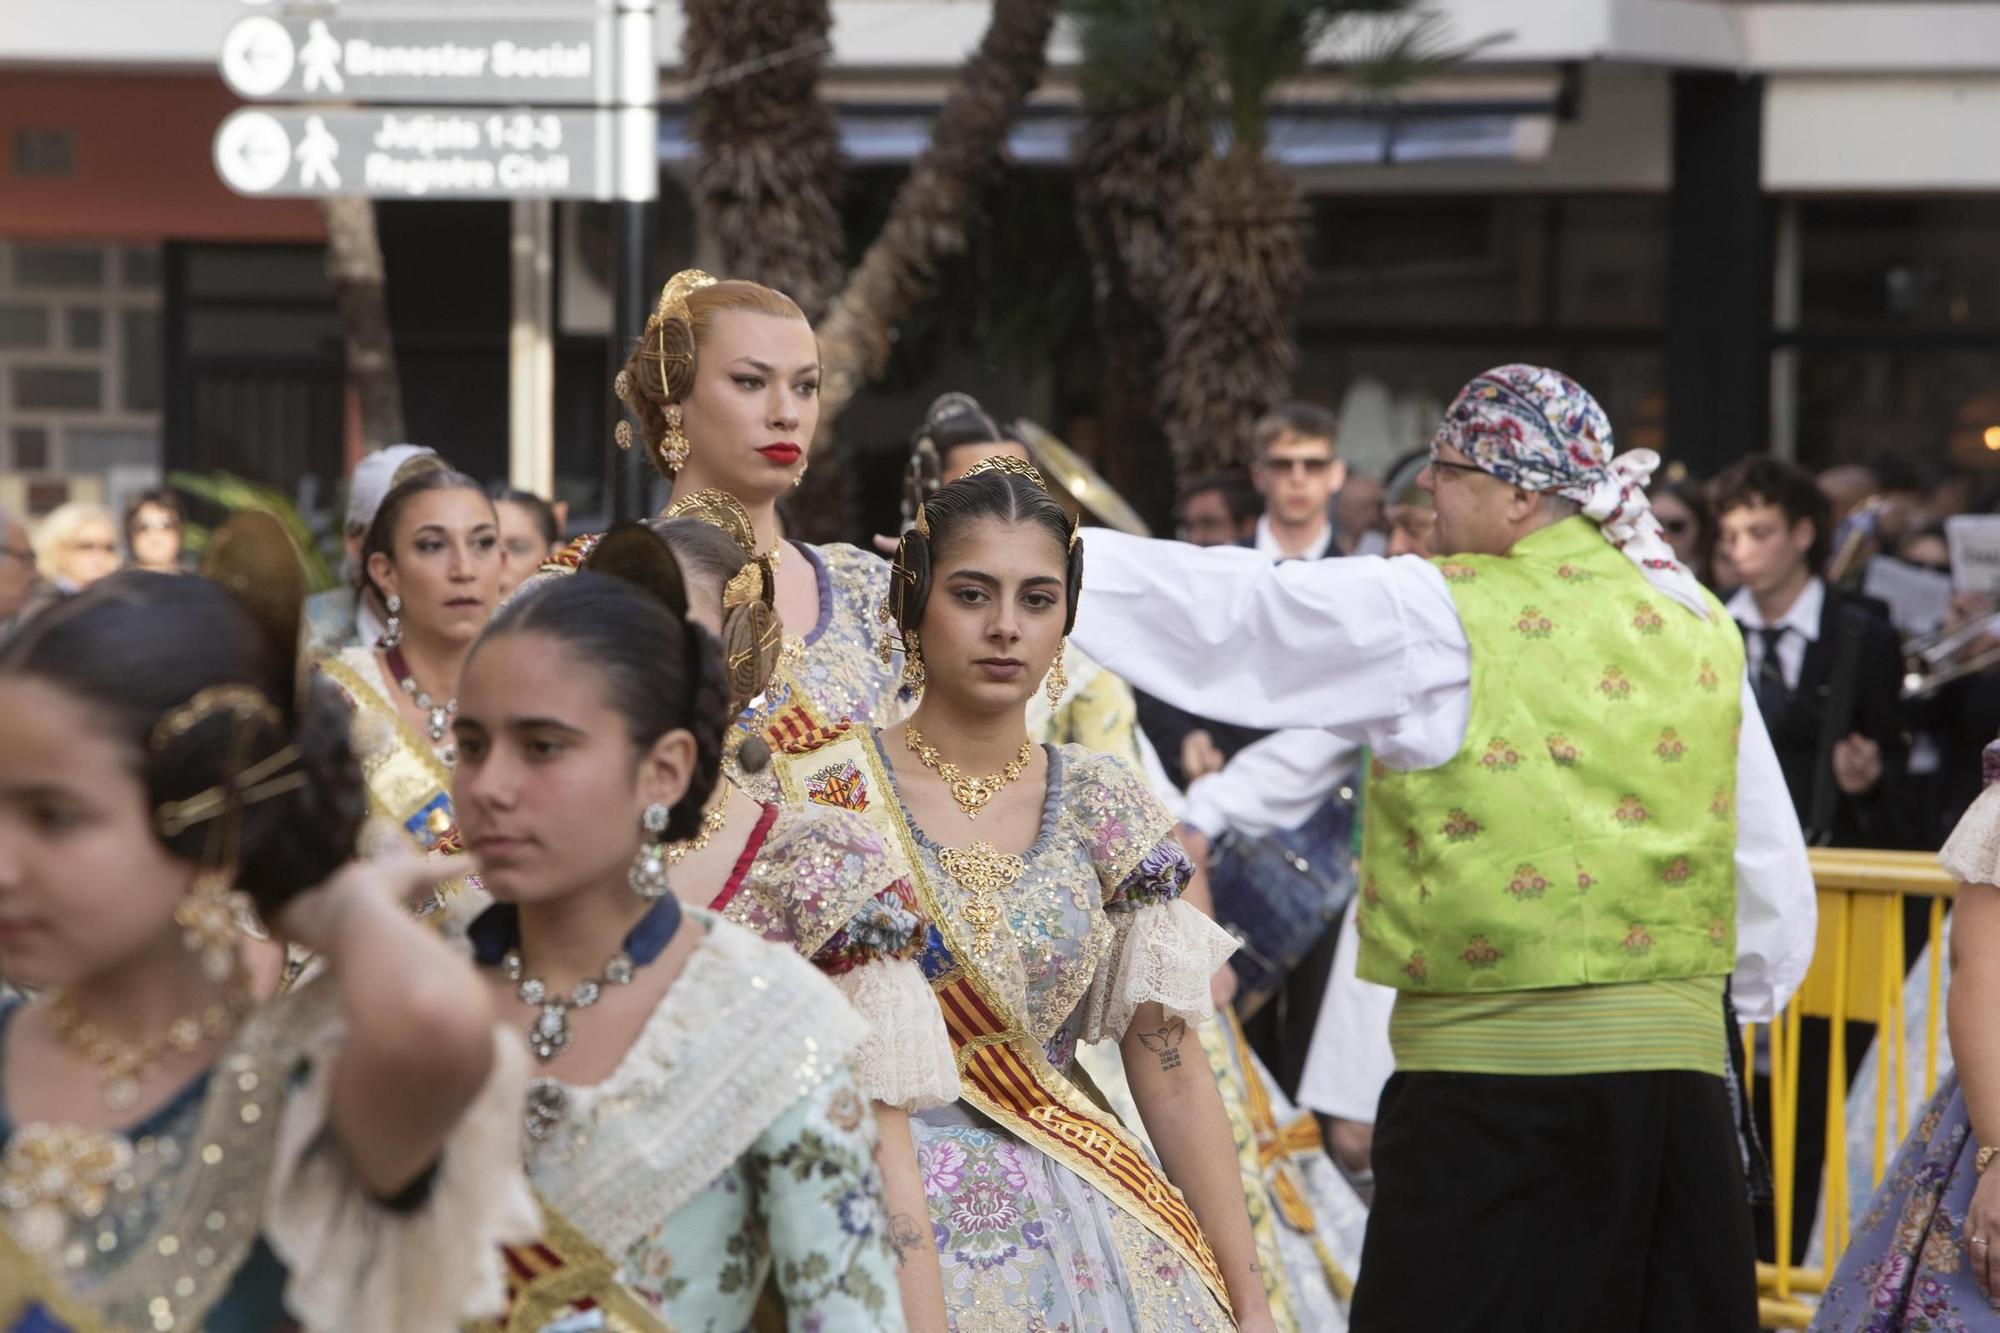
523 546
84 884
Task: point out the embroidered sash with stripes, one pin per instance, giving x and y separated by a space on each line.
1003 1071
564 1281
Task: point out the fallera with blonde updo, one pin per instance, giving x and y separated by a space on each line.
660 370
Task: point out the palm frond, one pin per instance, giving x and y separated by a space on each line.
227 491
1388 53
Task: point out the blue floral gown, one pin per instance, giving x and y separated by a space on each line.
1907 1267
1094 928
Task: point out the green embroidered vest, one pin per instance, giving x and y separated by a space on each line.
1586 834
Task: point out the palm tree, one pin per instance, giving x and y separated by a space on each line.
1234 220
1147 109
354 266
927 221
767 177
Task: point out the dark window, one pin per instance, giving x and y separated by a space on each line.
54 387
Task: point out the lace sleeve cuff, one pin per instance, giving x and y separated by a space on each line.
1165 952
906 1059
355 1263
1972 854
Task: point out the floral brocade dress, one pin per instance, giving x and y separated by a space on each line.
1093 929
833 672
232 1209
731 1147
1907 1268
818 881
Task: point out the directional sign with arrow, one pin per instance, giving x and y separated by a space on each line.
549 61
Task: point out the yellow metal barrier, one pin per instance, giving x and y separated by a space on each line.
1856 975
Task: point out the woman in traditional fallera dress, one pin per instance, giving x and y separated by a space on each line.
700 1125
173 1153
432 556
1923 1256
1052 888
725 386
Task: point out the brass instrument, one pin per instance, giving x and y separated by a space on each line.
1933 661
1863 539
1092 493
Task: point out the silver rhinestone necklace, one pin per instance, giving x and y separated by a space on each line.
549 1034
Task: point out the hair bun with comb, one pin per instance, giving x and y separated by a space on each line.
636 554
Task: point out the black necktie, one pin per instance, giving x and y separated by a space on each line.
1773 695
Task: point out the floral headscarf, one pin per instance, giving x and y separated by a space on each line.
1542 431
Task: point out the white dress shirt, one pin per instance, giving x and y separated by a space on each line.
1373 651
1267 543
1271 785
1801 617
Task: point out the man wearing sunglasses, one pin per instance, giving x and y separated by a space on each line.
1575 830
1298 476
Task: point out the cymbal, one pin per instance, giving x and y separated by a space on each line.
1093 493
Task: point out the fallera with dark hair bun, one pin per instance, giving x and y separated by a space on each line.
1008 496
661 672
137 646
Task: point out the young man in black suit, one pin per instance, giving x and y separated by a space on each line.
1828 670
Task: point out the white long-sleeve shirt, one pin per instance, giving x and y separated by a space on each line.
1272 784
1373 650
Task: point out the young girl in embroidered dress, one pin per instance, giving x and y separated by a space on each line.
725 386
700 1125
1051 882
173 1153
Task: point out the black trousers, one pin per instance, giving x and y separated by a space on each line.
1593 1203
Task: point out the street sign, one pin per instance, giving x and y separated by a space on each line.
497 59
439 153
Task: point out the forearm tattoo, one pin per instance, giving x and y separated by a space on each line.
1166 1043
905 1235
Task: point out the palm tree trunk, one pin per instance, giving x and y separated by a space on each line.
354 265
1134 157
1239 256
767 178
927 220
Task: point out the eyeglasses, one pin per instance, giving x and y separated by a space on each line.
1448 466
1311 467
155 525
92 548
25 554
1677 527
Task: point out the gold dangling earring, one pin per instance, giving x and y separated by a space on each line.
800 479
913 663
674 446
207 918
1058 680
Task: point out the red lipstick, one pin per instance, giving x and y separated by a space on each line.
784 453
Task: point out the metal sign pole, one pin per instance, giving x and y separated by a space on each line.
636 94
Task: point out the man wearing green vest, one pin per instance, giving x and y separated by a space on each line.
1576 832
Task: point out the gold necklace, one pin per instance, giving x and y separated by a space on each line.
712 820
124 1065
972 794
